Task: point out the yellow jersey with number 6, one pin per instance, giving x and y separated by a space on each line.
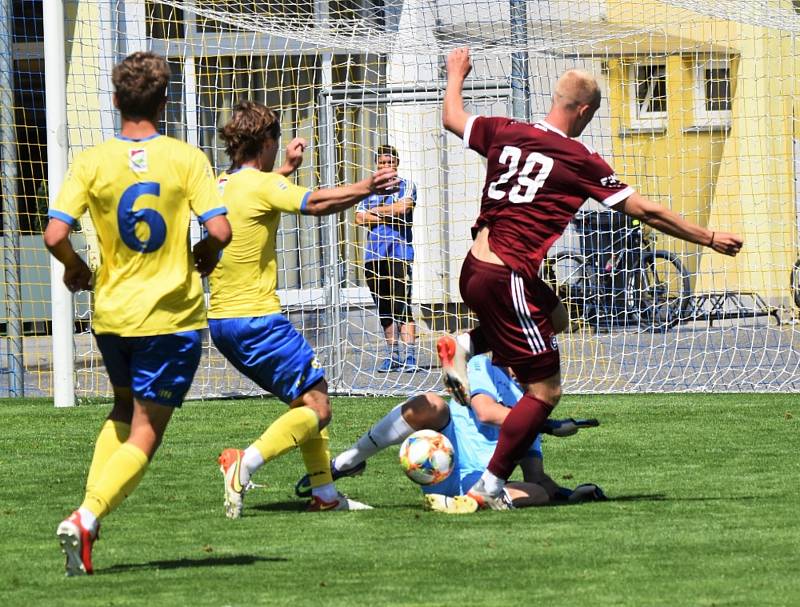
139 194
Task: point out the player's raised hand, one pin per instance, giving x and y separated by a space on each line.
384 181
78 276
726 243
294 153
458 63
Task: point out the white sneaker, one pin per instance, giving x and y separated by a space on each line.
453 358
460 504
342 502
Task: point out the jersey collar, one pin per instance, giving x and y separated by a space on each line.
550 127
123 138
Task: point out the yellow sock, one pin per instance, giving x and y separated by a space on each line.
291 429
120 476
317 458
112 435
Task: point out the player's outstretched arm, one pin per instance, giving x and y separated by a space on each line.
327 201
206 252
77 275
669 222
488 410
293 157
454 116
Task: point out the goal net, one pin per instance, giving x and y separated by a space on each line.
698 113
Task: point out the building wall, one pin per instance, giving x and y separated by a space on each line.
739 180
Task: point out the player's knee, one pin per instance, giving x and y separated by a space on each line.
548 390
426 411
318 401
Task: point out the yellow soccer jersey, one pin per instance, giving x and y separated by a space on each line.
243 283
139 194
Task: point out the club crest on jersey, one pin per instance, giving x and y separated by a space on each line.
137 159
553 342
221 184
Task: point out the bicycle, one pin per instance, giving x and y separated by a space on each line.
618 278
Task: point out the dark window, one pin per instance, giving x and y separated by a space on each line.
718 89
31 149
164 22
28 23
651 89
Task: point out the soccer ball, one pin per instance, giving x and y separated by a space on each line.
427 457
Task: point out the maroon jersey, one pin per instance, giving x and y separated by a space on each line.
536 180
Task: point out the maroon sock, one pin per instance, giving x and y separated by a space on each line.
479 343
517 434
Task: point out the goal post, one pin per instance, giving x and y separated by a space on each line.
62 315
699 113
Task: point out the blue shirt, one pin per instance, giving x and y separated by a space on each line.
392 239
477 439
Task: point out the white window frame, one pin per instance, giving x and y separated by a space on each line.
702 116
638 118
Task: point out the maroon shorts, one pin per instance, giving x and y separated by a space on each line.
514 315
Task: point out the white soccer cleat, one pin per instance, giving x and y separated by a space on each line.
76 543
341 503
453 358
486 501
459 504
230 461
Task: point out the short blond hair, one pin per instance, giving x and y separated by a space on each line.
140 83
249 127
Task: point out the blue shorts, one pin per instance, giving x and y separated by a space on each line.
159 368
269 351
471 454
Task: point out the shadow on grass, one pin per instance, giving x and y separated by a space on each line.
660 497
212 561
279 506
641 497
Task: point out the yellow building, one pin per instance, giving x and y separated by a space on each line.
703 121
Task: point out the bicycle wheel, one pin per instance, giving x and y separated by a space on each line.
659 291
795 282
566 274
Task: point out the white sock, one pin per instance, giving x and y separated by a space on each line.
252 460
465 342
326 492
88 520
493 485
391 429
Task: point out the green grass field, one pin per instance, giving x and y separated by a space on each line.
703 511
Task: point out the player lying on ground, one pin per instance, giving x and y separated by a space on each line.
473 433
139 188
245 319
537 177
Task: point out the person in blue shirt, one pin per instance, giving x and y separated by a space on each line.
473 431
387 264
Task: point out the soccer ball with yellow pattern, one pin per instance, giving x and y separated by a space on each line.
427 457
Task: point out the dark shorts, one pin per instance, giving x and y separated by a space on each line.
389 282
514 316
269 351
159 368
